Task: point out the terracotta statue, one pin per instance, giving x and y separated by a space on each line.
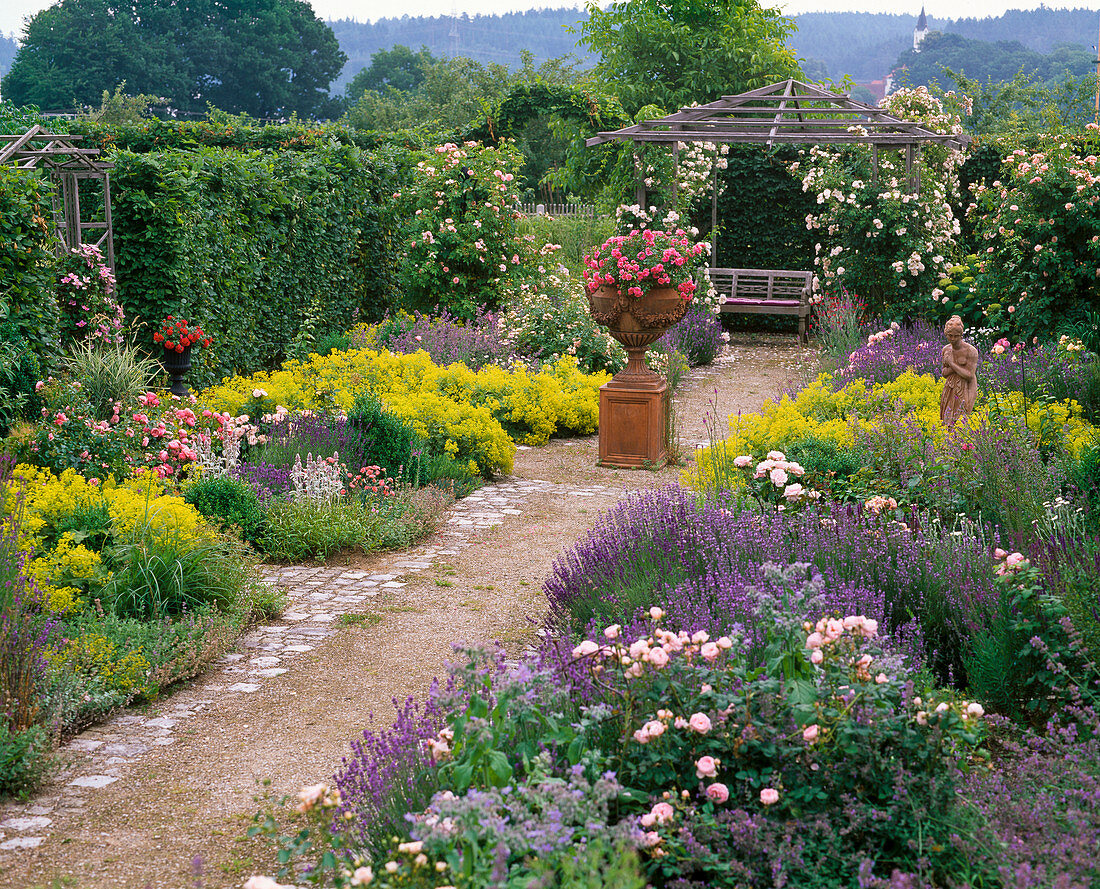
959 369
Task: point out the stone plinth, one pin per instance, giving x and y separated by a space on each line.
634 425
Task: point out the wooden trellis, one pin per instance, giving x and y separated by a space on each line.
67 165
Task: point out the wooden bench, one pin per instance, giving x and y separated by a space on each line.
766 292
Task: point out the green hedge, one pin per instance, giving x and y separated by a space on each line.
27 259
761 212
260 248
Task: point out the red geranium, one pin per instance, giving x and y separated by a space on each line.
177 335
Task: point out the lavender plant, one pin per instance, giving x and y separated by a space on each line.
445 338
698 335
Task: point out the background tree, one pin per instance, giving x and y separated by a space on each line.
400 68
264 57
671 53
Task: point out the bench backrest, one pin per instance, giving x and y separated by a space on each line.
763 284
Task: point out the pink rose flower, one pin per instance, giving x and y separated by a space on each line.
663 812
706 767
700 722
718 792
810 733
710 651
769 796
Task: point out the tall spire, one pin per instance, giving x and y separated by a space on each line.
922 22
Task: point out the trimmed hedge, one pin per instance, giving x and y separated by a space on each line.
260 248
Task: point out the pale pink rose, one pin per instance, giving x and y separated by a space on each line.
651 838
922 717
816 657
258 882
700 637
810 733
309 796
834 629
658 657
648 819
815 640
612 632
778 477
792 492
363 876
999 553
718 792
705 688
700 723
710 651
742 461
634 670
776 455
639 648
586 648
943 707
870 627
663 812
706 767
725 642
769 796
975 710
641 736
656 613
654 728
681 723
411 848
882 679
1014 559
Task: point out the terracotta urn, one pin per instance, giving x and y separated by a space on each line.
637 322
634 417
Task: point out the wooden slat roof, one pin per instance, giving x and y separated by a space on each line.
786 112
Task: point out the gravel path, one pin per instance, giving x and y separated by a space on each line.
162 796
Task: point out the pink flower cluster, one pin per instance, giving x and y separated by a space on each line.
829 630
1009 562
655 650
644 258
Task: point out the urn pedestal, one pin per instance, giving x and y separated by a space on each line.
634 412
176 365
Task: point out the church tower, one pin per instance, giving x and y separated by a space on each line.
920 31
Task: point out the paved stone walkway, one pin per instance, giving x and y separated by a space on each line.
317 598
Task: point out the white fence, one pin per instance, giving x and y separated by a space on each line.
587 210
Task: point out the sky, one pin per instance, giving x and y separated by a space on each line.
12 12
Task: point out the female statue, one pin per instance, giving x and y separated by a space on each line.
959 369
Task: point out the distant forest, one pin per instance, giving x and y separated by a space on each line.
866 46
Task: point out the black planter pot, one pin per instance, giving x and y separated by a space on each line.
176 364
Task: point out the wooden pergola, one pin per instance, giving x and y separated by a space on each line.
67 165
784 113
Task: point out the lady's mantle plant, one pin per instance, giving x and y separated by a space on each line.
85 296
644 260
877 238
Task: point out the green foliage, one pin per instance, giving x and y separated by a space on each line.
264 57
461 247
671 55
26 259
1039 238
166 576
24 758
229 500
121 108
755 178
399 68
110 375
387 439
19 372
252 247
298 530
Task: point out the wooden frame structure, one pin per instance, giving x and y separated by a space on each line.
67 165
784 113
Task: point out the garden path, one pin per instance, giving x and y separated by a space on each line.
162 796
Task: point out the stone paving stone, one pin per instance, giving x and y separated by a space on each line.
26 823
246 687
22 843
93 781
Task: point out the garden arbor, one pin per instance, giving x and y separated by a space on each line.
69 167
785 113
